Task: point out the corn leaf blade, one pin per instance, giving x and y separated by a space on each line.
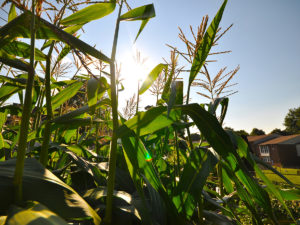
90 13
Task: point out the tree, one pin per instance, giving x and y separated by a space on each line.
242 133
238 132
280 132
256 131
292 121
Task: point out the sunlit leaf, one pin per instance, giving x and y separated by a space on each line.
39 184
65 94
92 12
206 44
92 92
22 49
139 13
12 12
13 62
20 27
152 77
35 213
144 13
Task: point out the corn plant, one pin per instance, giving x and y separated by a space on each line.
68 157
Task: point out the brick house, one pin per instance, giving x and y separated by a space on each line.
283 151
254 141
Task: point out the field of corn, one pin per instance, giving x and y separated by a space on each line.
69 156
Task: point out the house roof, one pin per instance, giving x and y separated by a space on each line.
290 139
255 138
261 138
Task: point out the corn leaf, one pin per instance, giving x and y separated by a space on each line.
144 13
65 94
92 92
176 95
20 27
7 90
12 12
71 115
34 213
148 122
92 12
139 164
22 49
206 44
152 77
13 62
192 180
221 143
60 198
139 13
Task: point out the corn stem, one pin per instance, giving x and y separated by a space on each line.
22 143
113 146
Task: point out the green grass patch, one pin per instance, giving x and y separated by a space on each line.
292 174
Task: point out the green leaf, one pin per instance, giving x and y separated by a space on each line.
152 77
144 13
92 12
139 164
12 12
13 62
193 178
206 44
143 24
92 92
22 49
39 184
35 213
268 166
139 13
20 27
65 51
148 122
71 115
290 194
65 94
221 143
176 95
7 90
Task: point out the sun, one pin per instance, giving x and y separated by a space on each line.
134 68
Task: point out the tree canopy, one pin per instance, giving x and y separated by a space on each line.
256 131
292 121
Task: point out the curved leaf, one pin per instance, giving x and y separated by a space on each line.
22 49
65 94
206 44
39 184
144 13
35 214
92 12
12 12
20 27
152 77
92 90
139 13
13 62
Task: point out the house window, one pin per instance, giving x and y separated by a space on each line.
267 159
264 149
298 150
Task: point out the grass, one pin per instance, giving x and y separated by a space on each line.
290 174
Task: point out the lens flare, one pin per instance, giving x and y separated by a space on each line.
148 157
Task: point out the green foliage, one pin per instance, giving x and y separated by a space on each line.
292 121
152 171
256 131
35 213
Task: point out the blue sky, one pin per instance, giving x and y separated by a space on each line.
264 42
